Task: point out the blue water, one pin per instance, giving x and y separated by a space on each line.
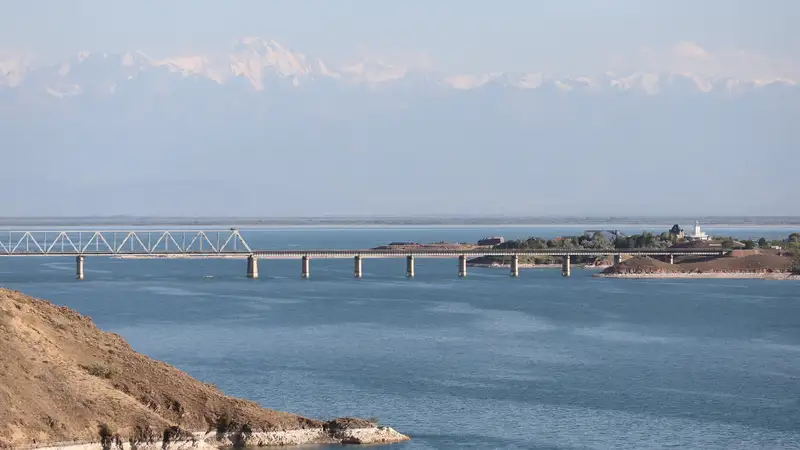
483 362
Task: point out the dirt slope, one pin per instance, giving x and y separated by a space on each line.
61 378
762 263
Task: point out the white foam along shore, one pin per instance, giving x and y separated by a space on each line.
212 440
739 275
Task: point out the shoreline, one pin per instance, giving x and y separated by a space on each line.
533 266
287 438
706 275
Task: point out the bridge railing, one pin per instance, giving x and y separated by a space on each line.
113 242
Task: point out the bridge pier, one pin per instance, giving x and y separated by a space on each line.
79 267
670 259
306 268
462 265
357 266
565 266
252 267
410 266
515 266
617 258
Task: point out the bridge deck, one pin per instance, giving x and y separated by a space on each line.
230 244
432 253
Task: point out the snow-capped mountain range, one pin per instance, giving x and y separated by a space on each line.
283 133
262 64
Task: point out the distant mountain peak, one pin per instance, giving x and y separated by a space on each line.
263 62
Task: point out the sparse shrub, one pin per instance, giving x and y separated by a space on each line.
105 431
102 370
223 424
238 434
175 434
108 437
795 267
143 435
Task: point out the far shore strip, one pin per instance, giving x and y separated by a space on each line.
740 275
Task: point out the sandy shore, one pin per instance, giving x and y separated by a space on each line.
740 275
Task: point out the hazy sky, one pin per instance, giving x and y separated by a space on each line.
449 35
106 141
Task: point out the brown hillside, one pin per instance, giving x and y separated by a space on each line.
61 378
643 264
753 263
750 263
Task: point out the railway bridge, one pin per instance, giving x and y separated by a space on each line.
231 244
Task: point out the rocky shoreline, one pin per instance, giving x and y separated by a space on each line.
373 435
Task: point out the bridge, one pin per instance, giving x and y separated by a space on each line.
231 244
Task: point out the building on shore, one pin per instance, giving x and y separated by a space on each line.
492 240
698 235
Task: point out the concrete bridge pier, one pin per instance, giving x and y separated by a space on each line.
306 267
79 267
670 259
617 258
410 266
357 266
515 266
252 267
462 265
565 266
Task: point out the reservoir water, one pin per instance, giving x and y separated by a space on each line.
484 362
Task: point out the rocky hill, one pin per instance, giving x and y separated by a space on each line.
64 380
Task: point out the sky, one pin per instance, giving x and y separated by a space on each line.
446 35
332 149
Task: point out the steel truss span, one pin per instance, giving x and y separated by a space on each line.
119 243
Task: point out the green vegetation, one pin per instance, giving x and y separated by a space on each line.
108 437
102 370
793 248
598 241
791 244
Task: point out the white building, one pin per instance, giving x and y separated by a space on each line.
698 235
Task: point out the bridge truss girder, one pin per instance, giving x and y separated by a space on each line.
111 242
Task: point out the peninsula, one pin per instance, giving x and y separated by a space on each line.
761 258
66 384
